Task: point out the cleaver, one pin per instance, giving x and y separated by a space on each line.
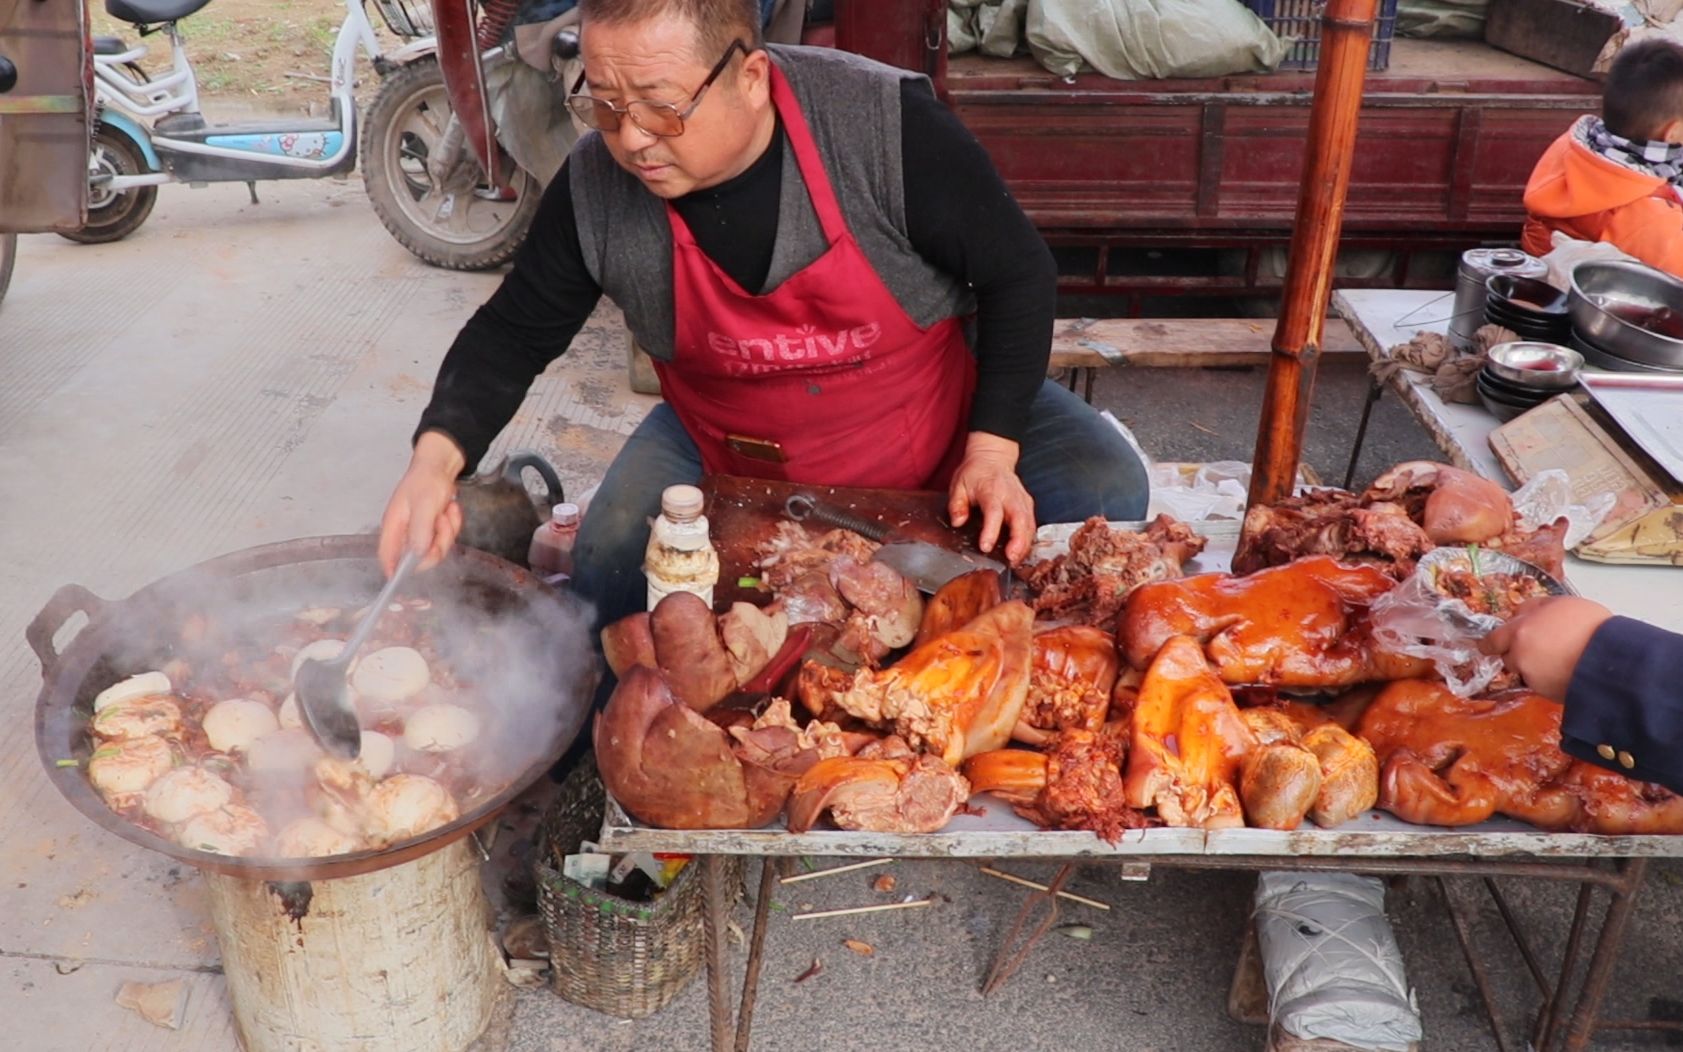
928 566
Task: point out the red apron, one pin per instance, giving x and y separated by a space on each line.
827 366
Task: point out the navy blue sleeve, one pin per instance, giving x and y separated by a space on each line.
1626 698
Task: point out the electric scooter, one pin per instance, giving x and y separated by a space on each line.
150 131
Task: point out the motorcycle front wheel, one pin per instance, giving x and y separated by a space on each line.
8 259
114 214
477 229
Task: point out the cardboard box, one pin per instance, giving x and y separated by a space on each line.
1646 524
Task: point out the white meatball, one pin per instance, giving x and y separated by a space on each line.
122 769
407 805
184 792
391 674
138 717
440 728
137 686
283 752
234 724
320 650
378 753
313 838
230 830
289 716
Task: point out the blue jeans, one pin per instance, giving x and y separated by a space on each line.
1073 463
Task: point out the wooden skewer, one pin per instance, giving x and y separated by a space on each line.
1041 887
865 909
832 872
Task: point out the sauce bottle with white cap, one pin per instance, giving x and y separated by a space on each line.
680 556
551 551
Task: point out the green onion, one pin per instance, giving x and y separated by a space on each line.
747 582
67 763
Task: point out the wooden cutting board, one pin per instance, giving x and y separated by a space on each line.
743 513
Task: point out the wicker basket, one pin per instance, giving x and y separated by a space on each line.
624 958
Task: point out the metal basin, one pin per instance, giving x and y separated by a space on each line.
1538 366
1627 310
524 623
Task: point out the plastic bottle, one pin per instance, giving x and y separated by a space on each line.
680 555
551 551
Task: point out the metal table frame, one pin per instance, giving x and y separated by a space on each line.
1570 1013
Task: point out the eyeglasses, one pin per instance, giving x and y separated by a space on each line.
656 118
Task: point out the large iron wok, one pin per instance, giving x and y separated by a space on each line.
535 624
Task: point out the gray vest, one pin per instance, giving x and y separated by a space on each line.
853 108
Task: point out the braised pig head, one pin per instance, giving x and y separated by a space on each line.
958 694
1457 761
1188 742
1300 625
1073 673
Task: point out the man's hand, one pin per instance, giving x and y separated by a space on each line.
987 478
1545 639
422 513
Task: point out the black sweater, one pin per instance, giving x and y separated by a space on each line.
959 216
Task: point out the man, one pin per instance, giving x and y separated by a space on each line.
832 279
1621 681
1615 178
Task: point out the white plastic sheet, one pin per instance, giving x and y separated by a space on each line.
1331 961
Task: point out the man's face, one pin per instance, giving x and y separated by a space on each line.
658 60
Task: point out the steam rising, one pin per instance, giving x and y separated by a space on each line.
520 662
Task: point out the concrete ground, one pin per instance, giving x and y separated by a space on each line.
233 375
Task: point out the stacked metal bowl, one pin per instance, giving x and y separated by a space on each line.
1522 375
1531 308
1627 317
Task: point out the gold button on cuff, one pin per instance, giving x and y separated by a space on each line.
1626 760
1605 751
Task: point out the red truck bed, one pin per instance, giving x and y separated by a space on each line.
1178 187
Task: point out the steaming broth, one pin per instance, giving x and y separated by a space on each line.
296 796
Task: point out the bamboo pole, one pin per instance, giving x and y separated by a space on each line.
1346 32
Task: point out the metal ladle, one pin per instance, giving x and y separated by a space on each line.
324 701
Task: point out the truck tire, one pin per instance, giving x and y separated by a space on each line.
114 215
474 231
8 259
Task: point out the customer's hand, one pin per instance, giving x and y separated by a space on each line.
1545 639
422 513
987 479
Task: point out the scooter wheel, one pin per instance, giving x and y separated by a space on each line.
474 230
8 259
114 215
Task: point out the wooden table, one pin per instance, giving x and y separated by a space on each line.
1383 318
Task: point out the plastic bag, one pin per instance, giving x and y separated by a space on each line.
1331 961
1414 619
1217 490
1548 497
1568 252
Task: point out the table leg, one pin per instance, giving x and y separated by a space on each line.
1549 1015
714 910
1011 955
1587 1012
769 868
1474 965
1374 390
1092 374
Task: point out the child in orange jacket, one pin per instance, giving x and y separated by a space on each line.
1616 178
